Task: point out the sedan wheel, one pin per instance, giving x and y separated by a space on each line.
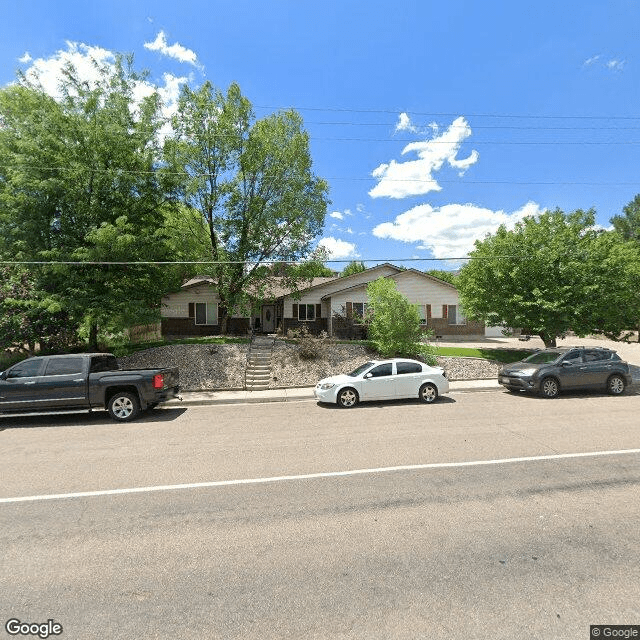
549 388
428 393
347 398
616 385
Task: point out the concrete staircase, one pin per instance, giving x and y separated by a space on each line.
258 369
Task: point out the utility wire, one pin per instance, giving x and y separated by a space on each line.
115 170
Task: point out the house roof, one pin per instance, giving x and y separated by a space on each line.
277 288
394 276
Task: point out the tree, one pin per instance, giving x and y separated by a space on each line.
628 224
78 183
548 275
447 276
394 323
253 184
353 267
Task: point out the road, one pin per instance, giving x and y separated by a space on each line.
302 521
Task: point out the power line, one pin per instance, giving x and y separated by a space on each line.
432 114
249 262
158 171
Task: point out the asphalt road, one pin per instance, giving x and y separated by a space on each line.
499 531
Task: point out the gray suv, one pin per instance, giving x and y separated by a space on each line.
549 371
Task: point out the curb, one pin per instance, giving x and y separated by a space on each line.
300 394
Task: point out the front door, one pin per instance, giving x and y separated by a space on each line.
268 318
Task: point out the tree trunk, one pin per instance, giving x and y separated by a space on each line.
93 336
549 341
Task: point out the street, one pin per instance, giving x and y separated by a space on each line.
485 515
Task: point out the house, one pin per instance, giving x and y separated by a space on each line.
322 305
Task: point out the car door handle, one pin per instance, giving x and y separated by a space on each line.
32 382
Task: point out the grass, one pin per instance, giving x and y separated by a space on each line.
500 355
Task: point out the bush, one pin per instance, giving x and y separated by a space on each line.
394 323
310 347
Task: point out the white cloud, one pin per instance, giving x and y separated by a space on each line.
612 64
86 59
26 58
414 177
404 124
176 51
337 215
450 231
339 248
88 62
616 65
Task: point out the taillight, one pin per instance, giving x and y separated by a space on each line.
158 381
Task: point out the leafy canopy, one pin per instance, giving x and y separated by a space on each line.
394 323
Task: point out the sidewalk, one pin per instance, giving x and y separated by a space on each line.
294 394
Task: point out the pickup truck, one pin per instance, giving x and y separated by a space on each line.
83 382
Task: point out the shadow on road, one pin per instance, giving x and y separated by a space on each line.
388 403
93 419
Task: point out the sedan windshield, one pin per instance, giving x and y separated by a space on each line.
361 369
543 357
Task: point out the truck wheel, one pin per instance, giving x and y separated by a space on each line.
123 406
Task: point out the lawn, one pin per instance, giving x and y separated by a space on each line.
500 355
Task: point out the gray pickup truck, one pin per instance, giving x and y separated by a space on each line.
82 382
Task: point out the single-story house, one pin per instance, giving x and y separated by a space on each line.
321 305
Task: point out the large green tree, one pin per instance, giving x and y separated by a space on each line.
79 183
551 274
252 182
628 223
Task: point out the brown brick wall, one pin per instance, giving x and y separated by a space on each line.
185 327
314 326
441 327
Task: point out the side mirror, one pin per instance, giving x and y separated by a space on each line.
3 375
367 376
567 364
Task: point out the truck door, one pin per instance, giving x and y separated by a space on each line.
64 383
18 385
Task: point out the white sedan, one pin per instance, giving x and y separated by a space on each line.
384 380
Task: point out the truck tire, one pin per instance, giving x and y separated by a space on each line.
123 406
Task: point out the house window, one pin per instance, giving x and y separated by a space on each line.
206 312
359 310
306 312
422 312
455 315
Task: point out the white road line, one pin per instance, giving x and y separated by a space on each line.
314 476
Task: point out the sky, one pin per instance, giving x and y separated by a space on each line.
433 122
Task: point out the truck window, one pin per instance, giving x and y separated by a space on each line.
103 363
26 369
63 366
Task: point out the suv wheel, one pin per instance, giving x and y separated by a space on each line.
616 385
549 388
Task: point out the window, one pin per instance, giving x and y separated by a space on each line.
422 312
455 315
206 312
103 363
574 357
63 366
306 312
357 310
408 367
381 370
26 369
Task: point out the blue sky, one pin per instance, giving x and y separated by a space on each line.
432 122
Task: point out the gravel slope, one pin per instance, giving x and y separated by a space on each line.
206 367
